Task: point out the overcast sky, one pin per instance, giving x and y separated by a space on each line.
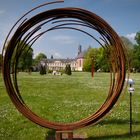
122 15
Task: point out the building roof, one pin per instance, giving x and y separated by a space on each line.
80 55
61 60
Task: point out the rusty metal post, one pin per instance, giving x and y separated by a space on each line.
70 135
58 135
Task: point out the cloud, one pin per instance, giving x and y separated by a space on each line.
131 36
57 55
2 12
63 39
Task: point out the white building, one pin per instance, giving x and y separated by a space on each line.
60 64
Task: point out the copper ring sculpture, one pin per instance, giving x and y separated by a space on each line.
64 18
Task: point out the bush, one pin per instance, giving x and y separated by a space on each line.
50 71
68 69
62 71
42 70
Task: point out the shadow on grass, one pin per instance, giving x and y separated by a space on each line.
105 137
119 121
115 137
51 133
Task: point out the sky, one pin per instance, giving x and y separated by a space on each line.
122 15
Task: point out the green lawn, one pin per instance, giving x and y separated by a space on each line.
67 99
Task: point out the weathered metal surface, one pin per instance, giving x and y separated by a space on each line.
66 135
63 18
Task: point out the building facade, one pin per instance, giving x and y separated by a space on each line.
60 64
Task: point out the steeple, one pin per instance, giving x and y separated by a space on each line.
79 49
51 56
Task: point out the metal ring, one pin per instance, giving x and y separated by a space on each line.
113 46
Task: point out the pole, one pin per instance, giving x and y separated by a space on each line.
92 70
130 112
92 67
131 90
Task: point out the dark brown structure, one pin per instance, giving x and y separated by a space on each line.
64 18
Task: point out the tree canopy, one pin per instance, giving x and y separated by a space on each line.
133 52
39 57
23 54
0 61
96 57
137 38
26 59
127 43
129 46
136 53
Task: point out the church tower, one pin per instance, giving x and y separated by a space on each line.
80 59
79 49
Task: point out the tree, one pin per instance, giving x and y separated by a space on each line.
87 60
95 57
90 57
136 53
42 69
129 46
137 38
68 69
39 57
0 62
26 59
136 58
23 54
103 59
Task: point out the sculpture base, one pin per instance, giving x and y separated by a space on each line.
65 135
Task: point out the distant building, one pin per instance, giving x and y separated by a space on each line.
80 59
60 64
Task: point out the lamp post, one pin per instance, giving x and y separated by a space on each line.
92 66
131 90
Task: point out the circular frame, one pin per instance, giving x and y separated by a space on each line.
117 65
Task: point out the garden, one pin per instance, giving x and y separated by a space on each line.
66 99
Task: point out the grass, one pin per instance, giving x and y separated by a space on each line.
67 99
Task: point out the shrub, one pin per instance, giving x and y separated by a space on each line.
42 70
50 71
68 69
